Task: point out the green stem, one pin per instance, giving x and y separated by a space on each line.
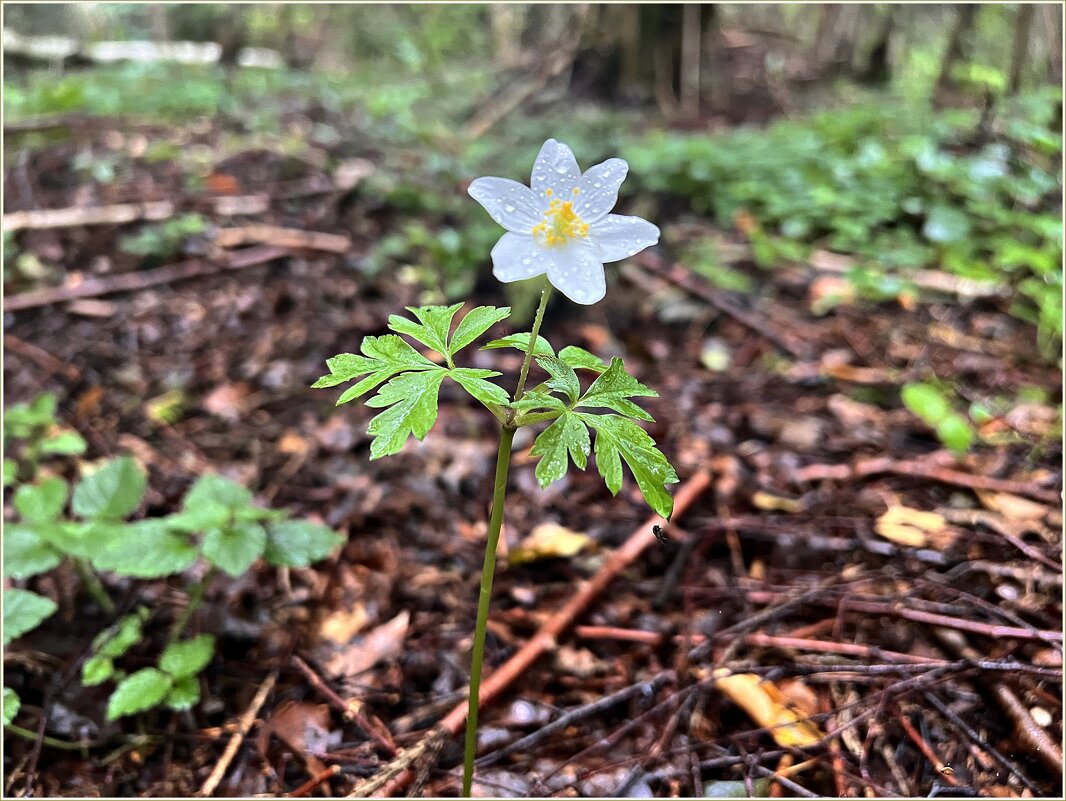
488 570
196 597
26 734
93 585
477 656
544 296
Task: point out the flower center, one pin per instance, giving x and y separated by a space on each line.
560 224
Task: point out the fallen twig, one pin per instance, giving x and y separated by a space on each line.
127 282
931 467
74 216
245 725
678 274
42 358
294 238
314 781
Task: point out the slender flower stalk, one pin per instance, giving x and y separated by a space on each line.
488 570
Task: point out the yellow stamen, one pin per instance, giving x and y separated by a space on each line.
560 224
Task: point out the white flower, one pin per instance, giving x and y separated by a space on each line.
562 225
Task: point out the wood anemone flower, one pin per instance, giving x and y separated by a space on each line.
561 225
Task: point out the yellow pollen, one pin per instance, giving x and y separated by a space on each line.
548 192
576 190
560 225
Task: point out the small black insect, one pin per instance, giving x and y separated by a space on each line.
660 535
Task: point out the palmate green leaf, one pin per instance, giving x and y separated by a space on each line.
138 692
412 401
566 438
612 389
476 323
24 611
618 438
563 378
145 549
581 359
521 342
383 357
25 553
187 658
11 705
112 491
43 502
434 323
534 400
473 381
234 549
299 543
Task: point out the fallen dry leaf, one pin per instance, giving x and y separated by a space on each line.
775 503
549 541
1012 507
304 728
227 400
362 653
766 705
340 626
911 528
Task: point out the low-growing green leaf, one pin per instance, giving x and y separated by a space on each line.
112 491
566 435
473 381
137 692
432 327
63 443
383 357
11 470
618 437
927 402
25 553
81 540
611 390
96 670
187 658
521 342
213 488
956 432
233 550
184 693
11 705
42 502
145 549
299 543
581 359
412 402
117 639
24 611
563 378
476 323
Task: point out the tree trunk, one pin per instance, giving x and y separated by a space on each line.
1020 47
958 45
691 56
506 21
878 70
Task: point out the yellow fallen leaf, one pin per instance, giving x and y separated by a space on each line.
764 703
340 626
1012 507
909 527
775 503
548 541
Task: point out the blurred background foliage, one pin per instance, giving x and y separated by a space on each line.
909 137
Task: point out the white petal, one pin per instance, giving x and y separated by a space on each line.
555 169
516 257
598 189
577 272
511 204
619 236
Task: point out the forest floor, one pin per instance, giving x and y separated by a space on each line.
903 601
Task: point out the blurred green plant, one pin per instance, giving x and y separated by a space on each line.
32 433
930 404
164 240
217 522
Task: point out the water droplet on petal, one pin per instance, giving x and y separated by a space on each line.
508 208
